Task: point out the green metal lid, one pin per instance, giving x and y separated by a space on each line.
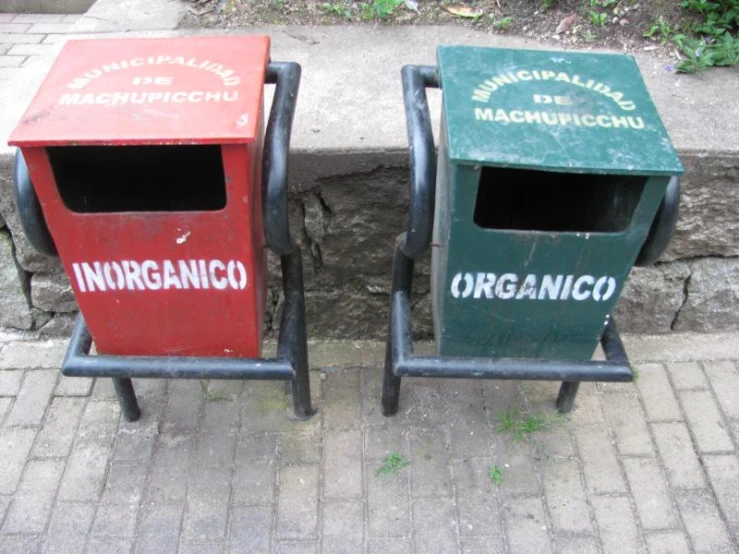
556 111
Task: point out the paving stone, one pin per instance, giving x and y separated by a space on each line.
656 392
254 481
31 507
8 73
207 506
99 423
429 464
565 496
84 476
667 543
53 39
617 524
587 410
4 503
16 444
482 545
702 519
73 386
38 18
58 432
519 469
648 487
135 440
526 526
343 527
170 468
381 441
389 546
157 544
470 432
723 473
48 28
554 441
68 528
297 548
5 403
297 504
435 525
14 27
42 355
27 49
115 520
250 529
388 503
7 17
33 398
687 375
342 399
256 447
599 462
10 382
104 545
160 520
217 435
477 502
342 465
724 378
266 408
184 406
675 446
301 445
12 61
575 545
709 428
15 544
624 415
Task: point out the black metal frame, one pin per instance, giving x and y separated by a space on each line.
291 361
400 360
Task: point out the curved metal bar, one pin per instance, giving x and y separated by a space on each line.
422 158
286 78
662 227
29 210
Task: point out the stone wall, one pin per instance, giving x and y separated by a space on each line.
348 209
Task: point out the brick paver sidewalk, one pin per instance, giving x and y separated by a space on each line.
25 36
645 467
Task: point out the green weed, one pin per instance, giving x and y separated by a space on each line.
520 426
496 474
379 9
392 463
338 8
546 4
502 24
660 29
713 41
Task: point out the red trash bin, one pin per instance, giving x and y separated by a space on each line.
146 157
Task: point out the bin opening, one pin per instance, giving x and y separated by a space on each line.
532 200
169 178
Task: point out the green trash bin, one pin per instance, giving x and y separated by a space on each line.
551 169
554 176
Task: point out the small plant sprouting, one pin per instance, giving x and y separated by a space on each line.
496 474
338 8
392 463
502 24
212 396
521 426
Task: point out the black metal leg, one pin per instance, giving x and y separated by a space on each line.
293 343
402 282
127 398
566 396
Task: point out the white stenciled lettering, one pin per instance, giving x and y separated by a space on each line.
469 285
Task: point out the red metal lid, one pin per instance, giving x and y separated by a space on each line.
150 91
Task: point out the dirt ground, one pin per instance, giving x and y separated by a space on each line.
618 24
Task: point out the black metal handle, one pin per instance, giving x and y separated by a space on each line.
286 78
662 227
29 210
422 158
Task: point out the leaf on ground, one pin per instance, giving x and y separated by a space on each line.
565 24
464 11
412 5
